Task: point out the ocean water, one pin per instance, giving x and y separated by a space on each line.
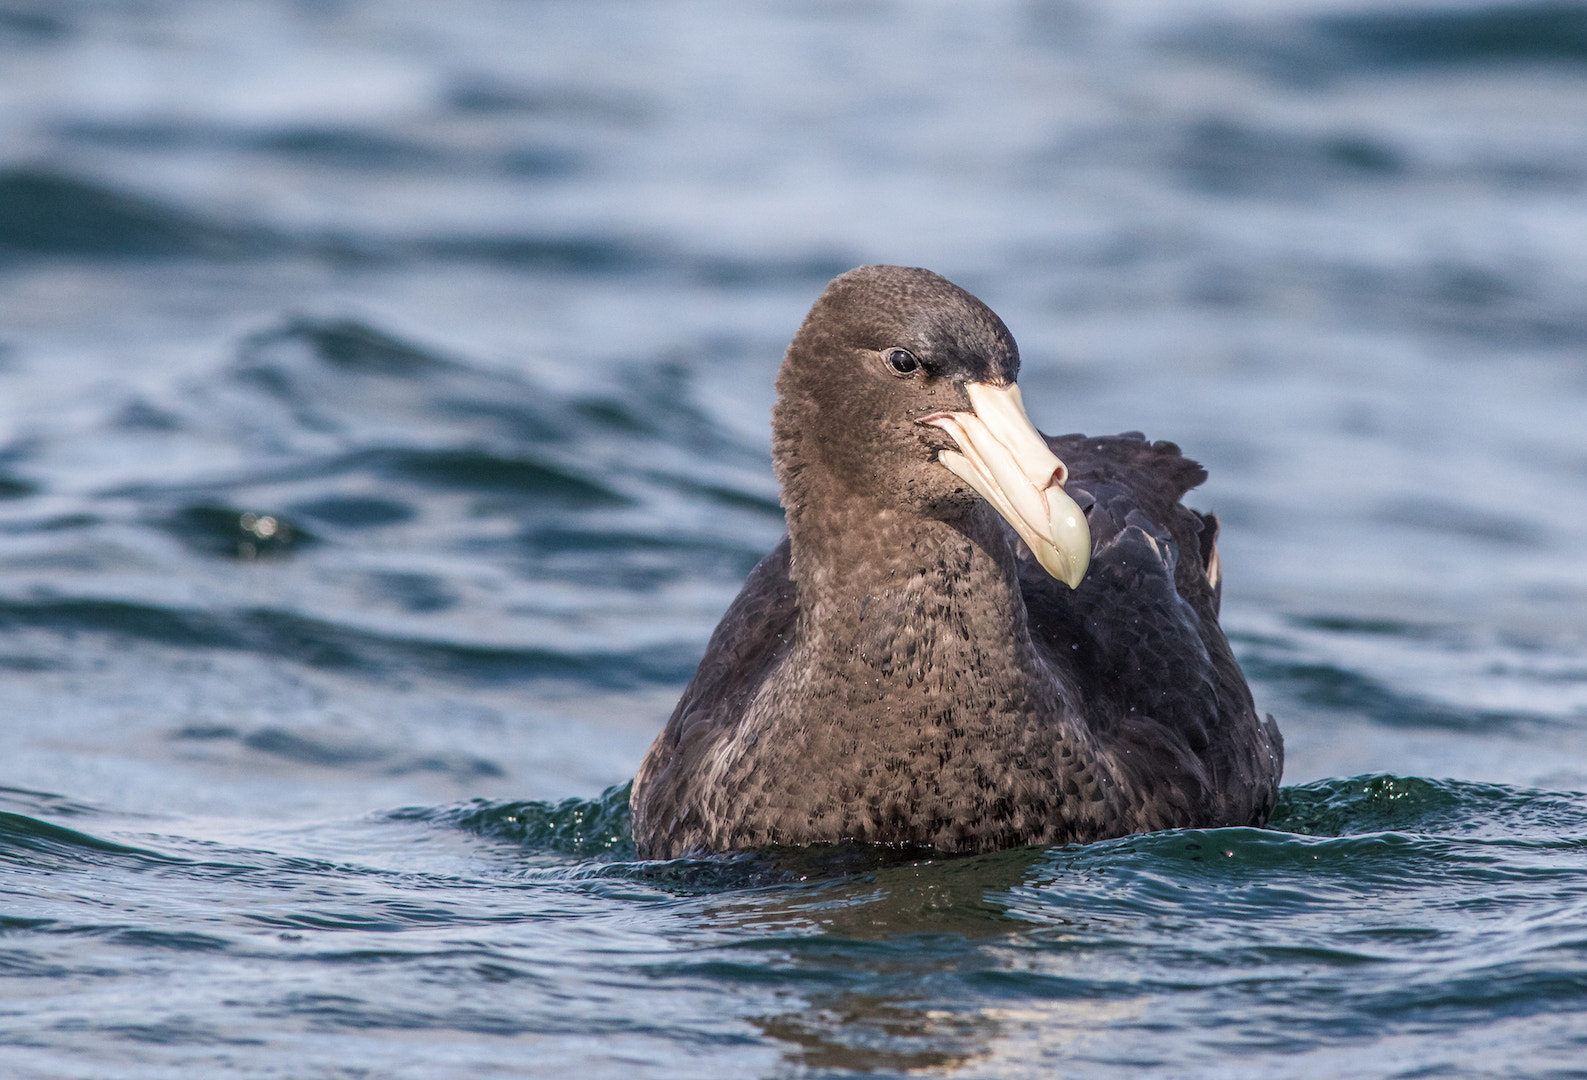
384 393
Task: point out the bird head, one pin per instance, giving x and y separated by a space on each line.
899 393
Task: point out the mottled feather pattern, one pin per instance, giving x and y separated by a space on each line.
1139 641
901 670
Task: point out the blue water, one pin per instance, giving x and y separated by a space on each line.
384 393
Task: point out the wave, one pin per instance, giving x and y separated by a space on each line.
324 435
1310 51
1405 675
24 838
1347 824
45 212
337 646
599 828
1442 808
1350 818
1358 879
49 213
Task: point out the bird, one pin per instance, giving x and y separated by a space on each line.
973 636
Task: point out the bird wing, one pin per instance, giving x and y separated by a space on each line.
1140 639
753 635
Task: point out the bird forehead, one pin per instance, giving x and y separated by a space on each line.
878 307
963 332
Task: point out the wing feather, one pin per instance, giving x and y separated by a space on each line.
1141 636
755 632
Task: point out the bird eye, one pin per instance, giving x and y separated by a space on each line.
902 361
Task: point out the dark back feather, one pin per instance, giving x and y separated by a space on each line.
1141 636
1139 640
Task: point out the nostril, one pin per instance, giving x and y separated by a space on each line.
1060 476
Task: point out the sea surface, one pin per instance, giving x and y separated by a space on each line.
384 395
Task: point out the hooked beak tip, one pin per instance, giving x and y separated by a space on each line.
1002 455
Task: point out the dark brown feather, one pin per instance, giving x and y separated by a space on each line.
900 670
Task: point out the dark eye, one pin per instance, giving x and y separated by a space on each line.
902 361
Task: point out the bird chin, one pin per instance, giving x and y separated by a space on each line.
1005 459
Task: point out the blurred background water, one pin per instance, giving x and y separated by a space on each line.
384 392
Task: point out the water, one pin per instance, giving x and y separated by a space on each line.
383 427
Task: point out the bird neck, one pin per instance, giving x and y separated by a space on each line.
899 596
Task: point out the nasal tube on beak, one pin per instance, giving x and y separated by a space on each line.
1004 458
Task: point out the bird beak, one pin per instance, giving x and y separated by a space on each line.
1003 456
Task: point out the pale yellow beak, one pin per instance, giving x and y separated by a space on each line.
1003 456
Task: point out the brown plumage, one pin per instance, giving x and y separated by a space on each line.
902 670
